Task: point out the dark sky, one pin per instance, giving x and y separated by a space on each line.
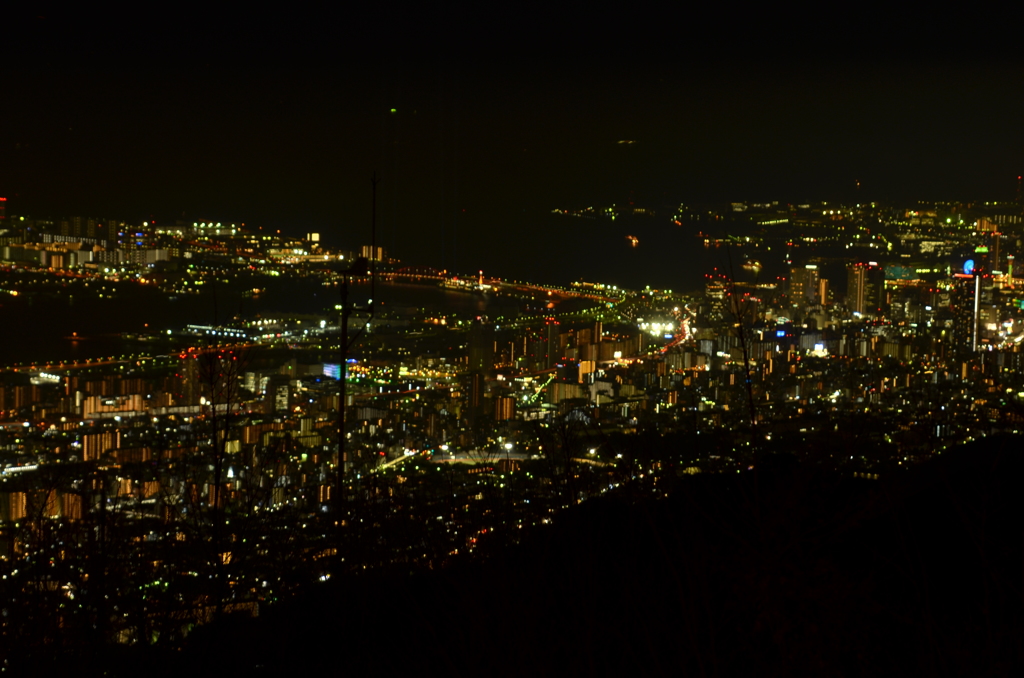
280 121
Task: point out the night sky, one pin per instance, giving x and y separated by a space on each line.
279 121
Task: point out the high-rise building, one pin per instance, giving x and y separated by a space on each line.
95 445
553 353
970 300
481 347
189 386
804 284
504 408
964 302
278 394
995 252
865 287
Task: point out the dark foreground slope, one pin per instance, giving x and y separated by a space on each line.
788 571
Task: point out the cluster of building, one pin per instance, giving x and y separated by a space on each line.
114 246
898 329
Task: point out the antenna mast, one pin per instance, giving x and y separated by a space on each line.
360 267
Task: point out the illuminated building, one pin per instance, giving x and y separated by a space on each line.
189 387
278 396
865 287
964 304
995 249
13 506
965 301
504 408
588 342
95 445
553 352
804 284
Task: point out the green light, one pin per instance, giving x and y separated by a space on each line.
394 110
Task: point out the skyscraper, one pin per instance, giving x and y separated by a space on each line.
964 302
804 284
865 285
189 385
971 290
481 347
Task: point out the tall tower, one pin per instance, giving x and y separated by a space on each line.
966 299
855 288
971 303
481 365
865 284
552 349
481 347
189 383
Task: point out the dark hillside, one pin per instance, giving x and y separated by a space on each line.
788 571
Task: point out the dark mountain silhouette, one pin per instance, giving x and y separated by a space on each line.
789 570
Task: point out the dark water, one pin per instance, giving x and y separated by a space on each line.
42 328
549 249
559 249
